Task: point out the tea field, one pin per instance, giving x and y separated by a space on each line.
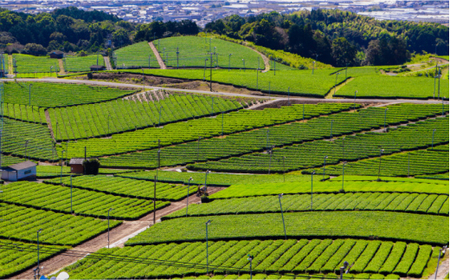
135 56
296 186
196 51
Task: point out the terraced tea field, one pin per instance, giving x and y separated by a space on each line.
196 52
135 56
295 187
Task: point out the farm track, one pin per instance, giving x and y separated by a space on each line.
265 59
118 237
112 84
107 63
62 71
158 57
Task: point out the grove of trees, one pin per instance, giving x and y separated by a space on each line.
335 37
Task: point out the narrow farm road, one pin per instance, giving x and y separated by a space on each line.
107 63
158 57
265 59
118 236
300 99
62 71
442 271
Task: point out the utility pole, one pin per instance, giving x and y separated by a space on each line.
210 72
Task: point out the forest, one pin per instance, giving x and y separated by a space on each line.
334 37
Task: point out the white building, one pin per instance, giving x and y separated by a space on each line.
19 171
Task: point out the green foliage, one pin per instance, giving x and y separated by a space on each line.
190 131
127 187
27 139
136 55
18 256
23 112
362 224
248 189
403 164
392 87
102 119
218 179
193 51
82 63
55 95
301 83
283 59
91 166
225 258
360 146
21 223
85 202
31 64
295 203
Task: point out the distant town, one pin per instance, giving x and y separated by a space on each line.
202 12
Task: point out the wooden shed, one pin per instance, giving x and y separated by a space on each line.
76 165
57 54
19 171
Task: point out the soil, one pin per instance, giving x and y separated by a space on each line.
158 57
168 82
118 236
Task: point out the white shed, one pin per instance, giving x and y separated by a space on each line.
19 171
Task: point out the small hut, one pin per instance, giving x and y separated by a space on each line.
57 54
19 171
76 165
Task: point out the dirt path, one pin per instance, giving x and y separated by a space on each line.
118 236
264 57
442 271
333 90
62 71
10 65
107 63
158 57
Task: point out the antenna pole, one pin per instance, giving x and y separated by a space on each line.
154 202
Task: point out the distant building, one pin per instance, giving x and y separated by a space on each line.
57 54
19 171
76 165
97 67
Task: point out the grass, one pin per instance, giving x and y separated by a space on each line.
56 95
136 55
194 50
31 64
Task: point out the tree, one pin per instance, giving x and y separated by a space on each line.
34 49
343 52
91 166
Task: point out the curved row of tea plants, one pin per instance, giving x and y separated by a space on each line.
360 146
127 187
106 118
84 202
428 229
377 201
404 164
58 95
192 130
22 223
287 134
252 190
269 256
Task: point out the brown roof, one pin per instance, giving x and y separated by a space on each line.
76 161
22 165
